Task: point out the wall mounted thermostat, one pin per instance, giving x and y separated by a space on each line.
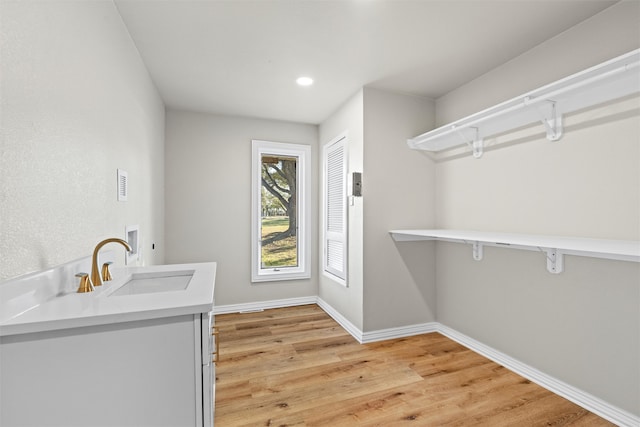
356 187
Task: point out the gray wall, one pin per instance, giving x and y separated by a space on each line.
208 199
582 326
77 103
388 285
348 300
399 191
610 33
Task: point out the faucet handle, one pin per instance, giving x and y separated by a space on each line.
85 283
106 274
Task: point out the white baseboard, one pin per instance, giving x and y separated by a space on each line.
264 305
591 403
380 335
400 332
599 407
342 321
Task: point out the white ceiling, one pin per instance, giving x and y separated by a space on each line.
242 57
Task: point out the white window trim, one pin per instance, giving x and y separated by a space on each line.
303 153
342 279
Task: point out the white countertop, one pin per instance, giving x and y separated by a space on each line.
73 310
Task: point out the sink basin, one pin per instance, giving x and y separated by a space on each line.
146 283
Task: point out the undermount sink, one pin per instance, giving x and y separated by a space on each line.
146 283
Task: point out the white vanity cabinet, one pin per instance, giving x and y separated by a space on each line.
155 372
145 357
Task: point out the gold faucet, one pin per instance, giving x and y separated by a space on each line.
96 279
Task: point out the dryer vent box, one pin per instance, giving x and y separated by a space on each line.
132 233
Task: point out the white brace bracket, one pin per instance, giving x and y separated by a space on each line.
476 145
552 124
555 260
477 251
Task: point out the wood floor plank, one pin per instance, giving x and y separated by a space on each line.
298 367
301 391
313 338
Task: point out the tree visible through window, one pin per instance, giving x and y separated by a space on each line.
279 212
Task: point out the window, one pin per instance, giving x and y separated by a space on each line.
280 229
334 161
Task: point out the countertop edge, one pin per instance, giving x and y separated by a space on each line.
74 323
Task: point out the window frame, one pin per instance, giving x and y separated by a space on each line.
340 277
303 186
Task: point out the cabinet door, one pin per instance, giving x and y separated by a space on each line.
127 374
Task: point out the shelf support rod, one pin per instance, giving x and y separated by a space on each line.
553 124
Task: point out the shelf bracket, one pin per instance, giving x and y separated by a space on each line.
555 260
478 148
477 251
552 122
476 144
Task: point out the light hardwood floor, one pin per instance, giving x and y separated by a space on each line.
297 367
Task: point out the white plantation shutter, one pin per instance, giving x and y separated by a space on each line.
335 199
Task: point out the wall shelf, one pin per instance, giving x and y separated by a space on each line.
553 247
610 80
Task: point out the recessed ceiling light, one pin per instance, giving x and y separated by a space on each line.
304 81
